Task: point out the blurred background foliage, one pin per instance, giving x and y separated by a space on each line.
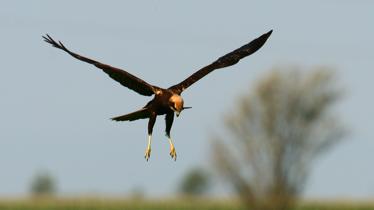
195 182
276 131
43 185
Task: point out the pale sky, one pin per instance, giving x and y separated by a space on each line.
55 110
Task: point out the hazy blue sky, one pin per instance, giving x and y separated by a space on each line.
55 110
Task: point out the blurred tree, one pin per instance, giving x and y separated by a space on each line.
195 182
277 131
137 193
43 184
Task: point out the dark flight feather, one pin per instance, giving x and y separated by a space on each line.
140 114
126 79
224 61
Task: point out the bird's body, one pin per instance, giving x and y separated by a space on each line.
166 101
162 102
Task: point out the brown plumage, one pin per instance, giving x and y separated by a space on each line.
166 101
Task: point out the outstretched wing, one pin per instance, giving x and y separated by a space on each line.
126 79
224 61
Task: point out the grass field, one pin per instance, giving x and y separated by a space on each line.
182 204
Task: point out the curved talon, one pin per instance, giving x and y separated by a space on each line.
172 153
147 154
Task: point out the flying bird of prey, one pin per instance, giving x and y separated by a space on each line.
166 101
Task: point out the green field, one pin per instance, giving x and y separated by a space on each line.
181 204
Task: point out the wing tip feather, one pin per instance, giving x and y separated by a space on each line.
265 36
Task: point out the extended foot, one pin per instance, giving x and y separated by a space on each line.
172 153
147 153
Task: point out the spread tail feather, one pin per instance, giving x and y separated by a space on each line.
140 114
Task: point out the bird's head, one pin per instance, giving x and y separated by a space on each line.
176 104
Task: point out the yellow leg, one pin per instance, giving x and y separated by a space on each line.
148 150
172 153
